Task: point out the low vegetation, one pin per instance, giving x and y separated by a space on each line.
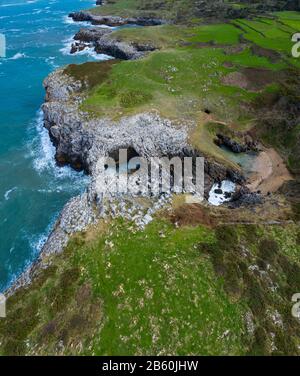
193 289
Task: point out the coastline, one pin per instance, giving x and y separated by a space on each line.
63 96
81 149
61 111
143 274
40 262
32 187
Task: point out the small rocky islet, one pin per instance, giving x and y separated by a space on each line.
191 80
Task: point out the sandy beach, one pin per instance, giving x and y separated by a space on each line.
269 172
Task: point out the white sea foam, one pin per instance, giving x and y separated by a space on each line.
42 151
38 241
7 193
18 4
45 152
67 46
17 56
10 5
88 51
218 199
69 21
51 62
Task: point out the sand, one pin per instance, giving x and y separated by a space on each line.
269 172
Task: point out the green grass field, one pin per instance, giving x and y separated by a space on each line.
186 74
119 291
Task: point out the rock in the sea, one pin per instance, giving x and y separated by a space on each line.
78 46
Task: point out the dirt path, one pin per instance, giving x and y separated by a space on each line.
269 172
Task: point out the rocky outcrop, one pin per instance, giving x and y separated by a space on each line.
92 34
79 141
122 50
243 197
77 214
115 20
104 42
248 145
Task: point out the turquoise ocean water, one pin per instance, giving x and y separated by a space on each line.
33 189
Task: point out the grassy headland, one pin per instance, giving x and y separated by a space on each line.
187 290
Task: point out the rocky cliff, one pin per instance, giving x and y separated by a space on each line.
115 20
81 141
104 42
